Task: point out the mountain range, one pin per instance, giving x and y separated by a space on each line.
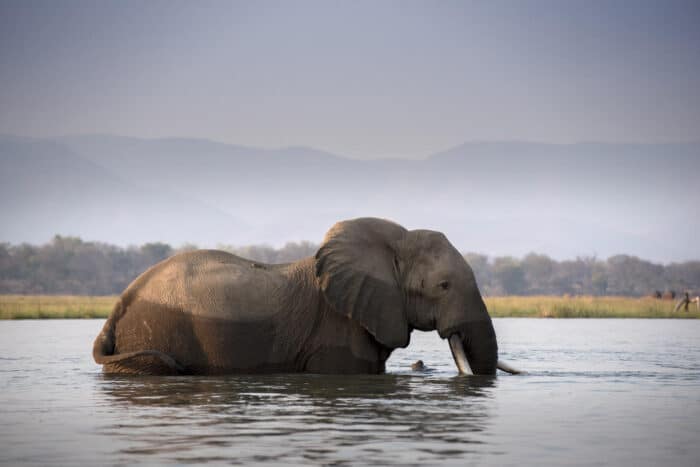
492 197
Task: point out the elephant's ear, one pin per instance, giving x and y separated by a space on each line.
356 271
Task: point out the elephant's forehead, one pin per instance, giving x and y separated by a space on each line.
428 235
432 242
433 246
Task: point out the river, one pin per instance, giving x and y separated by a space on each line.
597 392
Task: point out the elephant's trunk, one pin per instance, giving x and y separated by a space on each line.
475 349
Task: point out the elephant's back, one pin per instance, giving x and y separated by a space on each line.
210 311
209 283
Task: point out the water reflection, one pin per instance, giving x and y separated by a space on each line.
603 392
318 418
159 390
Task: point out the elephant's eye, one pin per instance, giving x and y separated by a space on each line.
444 285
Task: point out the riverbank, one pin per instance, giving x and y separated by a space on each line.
586 307
55 306
80 307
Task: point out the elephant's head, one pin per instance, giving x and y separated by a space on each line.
393 280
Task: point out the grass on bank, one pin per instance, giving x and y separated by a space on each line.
68 307
586 307
55 306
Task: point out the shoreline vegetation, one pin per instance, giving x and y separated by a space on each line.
541 306
71 266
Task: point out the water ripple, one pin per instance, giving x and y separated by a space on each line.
589 394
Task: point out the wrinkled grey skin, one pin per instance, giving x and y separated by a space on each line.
343 311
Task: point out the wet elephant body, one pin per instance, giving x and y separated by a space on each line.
343 311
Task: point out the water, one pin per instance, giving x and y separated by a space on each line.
598 392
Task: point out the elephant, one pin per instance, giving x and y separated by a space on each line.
344 310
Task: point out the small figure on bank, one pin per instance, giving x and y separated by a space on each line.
685 301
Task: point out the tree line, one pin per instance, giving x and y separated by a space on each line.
71 266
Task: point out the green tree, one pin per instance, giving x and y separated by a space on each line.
510 275
538 271
599 281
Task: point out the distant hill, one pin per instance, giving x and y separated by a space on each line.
45 187
495 197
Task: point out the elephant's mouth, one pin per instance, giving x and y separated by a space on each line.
462 362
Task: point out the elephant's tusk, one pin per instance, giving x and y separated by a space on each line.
503 366
459 355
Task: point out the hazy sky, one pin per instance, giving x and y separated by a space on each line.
361 79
